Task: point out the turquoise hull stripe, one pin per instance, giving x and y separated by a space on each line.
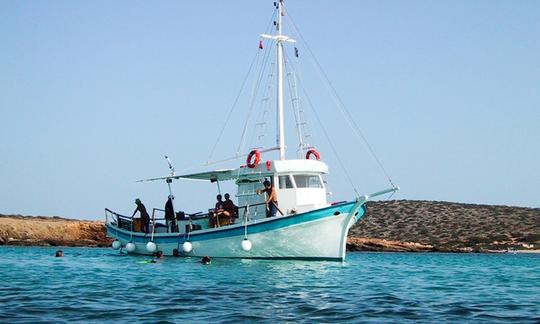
269 225
274 258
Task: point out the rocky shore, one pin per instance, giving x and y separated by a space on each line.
398 226
51 231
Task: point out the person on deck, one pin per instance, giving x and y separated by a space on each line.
271 198
214 215
230 208
169 215
145 218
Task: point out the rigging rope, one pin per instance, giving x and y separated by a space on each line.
260 127
296 112
339 103
305 127
269 25
254 96
256 85
232 108
332 146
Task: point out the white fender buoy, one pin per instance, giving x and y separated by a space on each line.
151 247
246 245
130 247
116 244
187 246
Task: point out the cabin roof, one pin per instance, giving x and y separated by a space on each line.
304 165
263 169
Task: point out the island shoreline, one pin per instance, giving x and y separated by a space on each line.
389 226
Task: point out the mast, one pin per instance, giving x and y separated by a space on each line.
280 118
280 39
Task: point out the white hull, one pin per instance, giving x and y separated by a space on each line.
315 239
321 238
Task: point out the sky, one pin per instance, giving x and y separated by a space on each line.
95 93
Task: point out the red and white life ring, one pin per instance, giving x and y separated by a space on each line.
252 164
314 153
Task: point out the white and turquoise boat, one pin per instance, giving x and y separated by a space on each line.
307 227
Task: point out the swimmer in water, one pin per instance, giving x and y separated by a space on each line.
159 256
59 254
206 260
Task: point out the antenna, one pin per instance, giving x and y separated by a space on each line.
171 167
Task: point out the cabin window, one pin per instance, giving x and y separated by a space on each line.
307 181
285 182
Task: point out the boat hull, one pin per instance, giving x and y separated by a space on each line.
319 234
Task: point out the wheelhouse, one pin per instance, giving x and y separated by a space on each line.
298 183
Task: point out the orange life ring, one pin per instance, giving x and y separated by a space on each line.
314 153
257 155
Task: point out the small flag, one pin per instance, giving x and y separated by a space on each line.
260 44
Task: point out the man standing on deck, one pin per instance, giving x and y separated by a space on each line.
271 200
145 218
170 217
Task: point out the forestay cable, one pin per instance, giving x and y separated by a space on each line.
332 146
339 103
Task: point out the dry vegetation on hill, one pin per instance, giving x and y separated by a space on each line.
445 226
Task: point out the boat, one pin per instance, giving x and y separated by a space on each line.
307 227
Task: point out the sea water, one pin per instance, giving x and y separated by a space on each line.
100 285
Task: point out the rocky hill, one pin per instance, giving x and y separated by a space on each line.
399 225
445 226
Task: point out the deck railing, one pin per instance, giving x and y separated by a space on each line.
127 222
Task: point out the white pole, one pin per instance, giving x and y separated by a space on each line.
280 120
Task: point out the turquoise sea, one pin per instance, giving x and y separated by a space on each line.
99 285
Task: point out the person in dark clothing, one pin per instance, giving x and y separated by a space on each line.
230 208
219 203
145 218
218 211
169 214
206 260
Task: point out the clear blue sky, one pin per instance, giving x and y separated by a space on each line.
94 93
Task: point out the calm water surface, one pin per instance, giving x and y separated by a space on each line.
98 285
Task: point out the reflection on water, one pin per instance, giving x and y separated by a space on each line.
98 285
